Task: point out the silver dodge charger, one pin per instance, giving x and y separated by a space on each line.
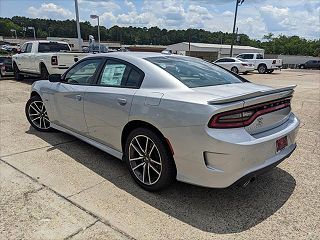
169 117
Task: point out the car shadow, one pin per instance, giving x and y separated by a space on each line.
231 210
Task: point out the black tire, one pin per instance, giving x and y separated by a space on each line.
166 169
44 72
17 75
235 70
37 116
302 67
245 73
262 68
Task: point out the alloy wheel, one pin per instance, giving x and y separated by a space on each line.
38 115
145 159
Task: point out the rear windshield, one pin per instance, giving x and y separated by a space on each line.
194 72
53 47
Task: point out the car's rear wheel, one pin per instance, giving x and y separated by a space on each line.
235 70
149 161
37 115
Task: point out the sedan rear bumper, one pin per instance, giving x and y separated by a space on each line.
224 156
263 170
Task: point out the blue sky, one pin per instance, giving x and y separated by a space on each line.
255 18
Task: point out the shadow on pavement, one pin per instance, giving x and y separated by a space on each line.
221 211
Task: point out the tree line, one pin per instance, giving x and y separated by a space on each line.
291 45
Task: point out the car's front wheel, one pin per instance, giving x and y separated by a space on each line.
149 160
37 115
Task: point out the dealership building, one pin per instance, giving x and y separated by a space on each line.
209 51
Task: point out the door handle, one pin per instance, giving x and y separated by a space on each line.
122 101
78 97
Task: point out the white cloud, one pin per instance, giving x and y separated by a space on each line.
49 10
255 17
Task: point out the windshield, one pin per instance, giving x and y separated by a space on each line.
194 72
53 47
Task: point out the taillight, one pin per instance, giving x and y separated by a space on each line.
54 60
274 62
245 116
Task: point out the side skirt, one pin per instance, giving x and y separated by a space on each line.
92 142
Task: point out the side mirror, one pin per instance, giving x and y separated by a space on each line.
55 78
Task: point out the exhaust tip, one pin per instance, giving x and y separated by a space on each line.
247 182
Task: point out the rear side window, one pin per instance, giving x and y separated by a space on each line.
119 74
193 72
259 56
53 47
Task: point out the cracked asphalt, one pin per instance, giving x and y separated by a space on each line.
53 186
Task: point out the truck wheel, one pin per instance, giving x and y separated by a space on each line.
17 74
44 72
235 70
262 68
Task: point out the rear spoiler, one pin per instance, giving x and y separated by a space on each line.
288 91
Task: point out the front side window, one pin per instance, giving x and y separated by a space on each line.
83 72
23 48
28 48
194 72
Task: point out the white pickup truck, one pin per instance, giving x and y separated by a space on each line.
42 58
261 64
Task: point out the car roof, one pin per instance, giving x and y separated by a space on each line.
140 55
46 41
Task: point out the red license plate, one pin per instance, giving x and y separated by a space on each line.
281 143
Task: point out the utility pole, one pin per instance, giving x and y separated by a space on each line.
238 2
78 24
189 41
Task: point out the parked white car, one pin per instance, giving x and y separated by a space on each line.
260 63
235 65
42 58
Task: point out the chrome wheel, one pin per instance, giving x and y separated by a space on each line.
145 159
38 115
